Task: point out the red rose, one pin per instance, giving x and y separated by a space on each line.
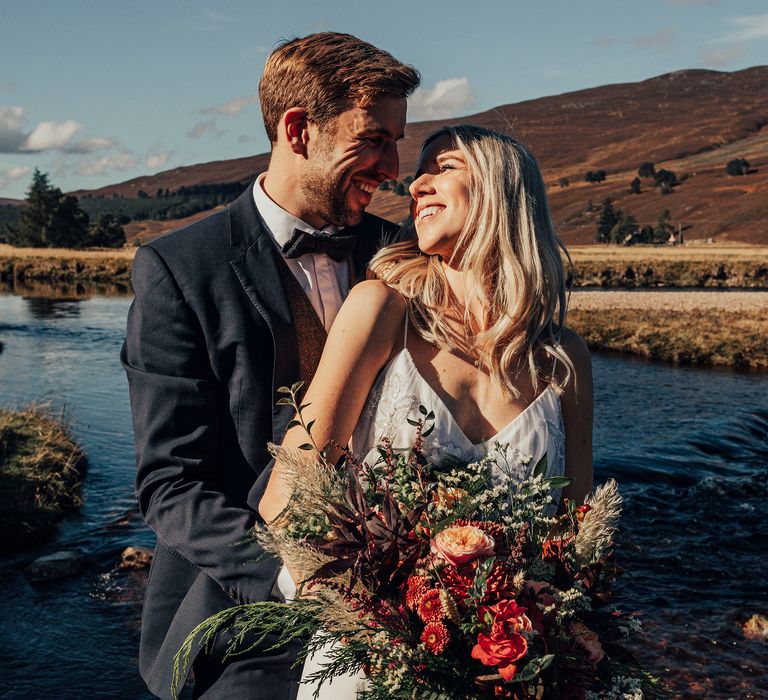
505 644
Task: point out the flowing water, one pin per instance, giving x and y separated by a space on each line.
689 448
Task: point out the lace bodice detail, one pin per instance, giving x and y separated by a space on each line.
400 389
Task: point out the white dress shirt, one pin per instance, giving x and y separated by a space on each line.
325 281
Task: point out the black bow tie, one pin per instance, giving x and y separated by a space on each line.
334 245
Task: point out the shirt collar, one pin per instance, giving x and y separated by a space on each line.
279 222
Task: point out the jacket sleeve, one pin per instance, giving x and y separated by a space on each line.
176 404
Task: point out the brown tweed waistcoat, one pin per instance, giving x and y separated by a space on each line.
310 332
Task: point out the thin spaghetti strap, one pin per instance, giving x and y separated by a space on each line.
405 331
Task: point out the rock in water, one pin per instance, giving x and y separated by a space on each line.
57 565
135 558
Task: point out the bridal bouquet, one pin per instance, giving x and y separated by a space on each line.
444 581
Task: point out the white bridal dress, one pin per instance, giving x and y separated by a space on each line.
396 395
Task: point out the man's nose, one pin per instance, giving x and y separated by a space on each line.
389 162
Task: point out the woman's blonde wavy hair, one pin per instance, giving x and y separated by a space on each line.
510 254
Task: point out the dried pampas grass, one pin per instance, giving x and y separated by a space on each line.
600 523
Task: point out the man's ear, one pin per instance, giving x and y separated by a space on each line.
295 128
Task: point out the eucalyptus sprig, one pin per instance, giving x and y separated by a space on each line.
291 398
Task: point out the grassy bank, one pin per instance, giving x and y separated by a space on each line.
695 337
711 266
58 265
41 470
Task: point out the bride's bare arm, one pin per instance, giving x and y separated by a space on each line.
359 344
577 404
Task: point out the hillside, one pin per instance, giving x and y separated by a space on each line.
691 122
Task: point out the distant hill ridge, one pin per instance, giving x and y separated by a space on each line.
690 121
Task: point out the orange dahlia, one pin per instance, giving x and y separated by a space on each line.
435 637
430 608
417 587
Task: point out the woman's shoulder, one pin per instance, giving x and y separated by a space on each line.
575 347
373 312
376 297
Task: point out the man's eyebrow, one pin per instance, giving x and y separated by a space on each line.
376 129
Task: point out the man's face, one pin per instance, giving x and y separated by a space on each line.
349 158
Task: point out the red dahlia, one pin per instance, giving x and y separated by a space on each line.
435 636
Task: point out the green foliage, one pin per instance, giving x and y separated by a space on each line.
737 166
646 170
666 180
107 233
48 218
634 186
624 228
663 228
563 182
595 176
606 222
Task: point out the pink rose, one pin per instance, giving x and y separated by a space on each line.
461 545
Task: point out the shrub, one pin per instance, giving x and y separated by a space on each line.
737 166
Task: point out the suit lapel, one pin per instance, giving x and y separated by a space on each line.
256 267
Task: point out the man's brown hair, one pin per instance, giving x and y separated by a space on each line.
326 74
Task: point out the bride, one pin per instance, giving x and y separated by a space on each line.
468 321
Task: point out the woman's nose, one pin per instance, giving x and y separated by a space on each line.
421 185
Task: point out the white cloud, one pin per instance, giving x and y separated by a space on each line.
233 106
200 128
747 28
119 161
13 173
97 143
447 99
11 129
158 160
661 40
721 58
48 136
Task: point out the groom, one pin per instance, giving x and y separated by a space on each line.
228 310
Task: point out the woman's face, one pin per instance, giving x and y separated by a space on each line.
440 194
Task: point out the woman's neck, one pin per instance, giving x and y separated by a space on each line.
457 282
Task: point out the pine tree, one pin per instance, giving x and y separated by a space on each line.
48 218
663 228
606 222
107 233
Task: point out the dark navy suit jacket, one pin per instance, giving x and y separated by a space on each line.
210 338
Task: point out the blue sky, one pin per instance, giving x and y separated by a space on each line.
96 92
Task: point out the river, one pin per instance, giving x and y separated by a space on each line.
688 446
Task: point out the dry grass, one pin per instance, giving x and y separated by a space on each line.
678 301
696 337
7 251
719 266
41 470
716 252
64 265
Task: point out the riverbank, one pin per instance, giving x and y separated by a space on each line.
41 470
704 266
61 265
709 266
727 329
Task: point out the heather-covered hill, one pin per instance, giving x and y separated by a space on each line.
691 122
